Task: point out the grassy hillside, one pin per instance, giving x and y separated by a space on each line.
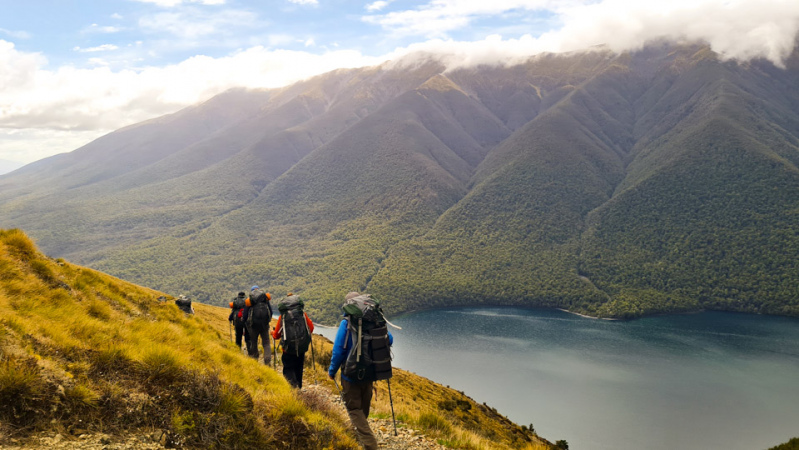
82 352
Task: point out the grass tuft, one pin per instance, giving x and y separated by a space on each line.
434 423
161 364
81 396
22 390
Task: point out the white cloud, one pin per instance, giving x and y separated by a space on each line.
377 6
116 16
99 48
310 42
437 18
95 28
735 28
193 23
305 2
68 98
15 34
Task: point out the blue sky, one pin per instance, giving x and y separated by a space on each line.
73 70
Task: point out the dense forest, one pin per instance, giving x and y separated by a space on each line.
615 185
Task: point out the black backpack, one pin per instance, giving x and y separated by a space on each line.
369 359
237 305
260 310
184 304
296 337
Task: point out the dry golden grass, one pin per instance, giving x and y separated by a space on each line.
80 350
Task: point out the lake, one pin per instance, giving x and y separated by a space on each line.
700 381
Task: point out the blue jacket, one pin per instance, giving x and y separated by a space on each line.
341 349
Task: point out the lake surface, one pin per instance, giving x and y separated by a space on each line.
701 381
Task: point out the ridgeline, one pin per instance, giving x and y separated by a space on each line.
613 185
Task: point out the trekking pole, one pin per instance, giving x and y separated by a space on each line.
313 359
231 332
391 401
341 394
274 352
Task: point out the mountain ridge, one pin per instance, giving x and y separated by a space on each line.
431 187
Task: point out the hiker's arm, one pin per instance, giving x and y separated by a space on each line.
277 330
310 324
339 350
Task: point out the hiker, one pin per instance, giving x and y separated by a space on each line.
237 318
258 322
184 304
294 329
357 380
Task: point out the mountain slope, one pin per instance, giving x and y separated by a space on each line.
613 185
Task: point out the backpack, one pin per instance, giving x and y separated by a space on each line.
184 304
296 337
260 311
369 359
238 305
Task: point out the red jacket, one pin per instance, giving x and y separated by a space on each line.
279 327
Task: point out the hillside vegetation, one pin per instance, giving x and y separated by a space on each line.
615 185
83 352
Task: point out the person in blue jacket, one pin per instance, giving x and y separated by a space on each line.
357 395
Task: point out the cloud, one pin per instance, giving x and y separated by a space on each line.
69 98
190 24
99 48
16 34
740 29
305 2
172 3
437 18
94 28
377 6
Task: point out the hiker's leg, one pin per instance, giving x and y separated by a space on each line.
267 346
255 334
289 371
366 400
353 396
249 338
298 370
239 333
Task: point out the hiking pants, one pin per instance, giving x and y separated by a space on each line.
242 330
357 400
261 331
292 368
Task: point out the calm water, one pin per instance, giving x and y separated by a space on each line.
703 381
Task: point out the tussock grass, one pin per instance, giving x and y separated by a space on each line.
82 351
22 391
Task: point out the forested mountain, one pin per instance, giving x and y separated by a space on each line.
661 180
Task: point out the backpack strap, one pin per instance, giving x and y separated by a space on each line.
360 340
